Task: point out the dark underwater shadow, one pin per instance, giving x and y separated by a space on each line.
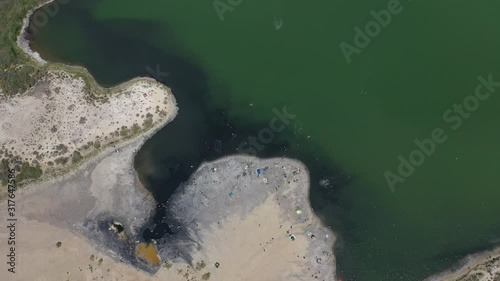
118 51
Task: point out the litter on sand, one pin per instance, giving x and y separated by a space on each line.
258 172
298 212
292 237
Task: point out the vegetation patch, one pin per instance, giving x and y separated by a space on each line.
167 265
200 265
61 160
136 129
76 157
4 171
124 131
29 172
17 72
148 122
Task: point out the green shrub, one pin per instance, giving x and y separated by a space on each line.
200 265
76 157
61 160
29 173
148 122
16 73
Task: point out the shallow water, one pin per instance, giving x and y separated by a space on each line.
352 120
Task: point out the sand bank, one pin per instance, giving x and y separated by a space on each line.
478 267
61 121
230 223
253 217
67 117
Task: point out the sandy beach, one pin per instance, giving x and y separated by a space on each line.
58 123
247 238
481 267
253 217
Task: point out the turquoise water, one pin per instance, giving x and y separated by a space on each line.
354 118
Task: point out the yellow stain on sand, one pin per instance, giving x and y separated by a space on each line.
147 253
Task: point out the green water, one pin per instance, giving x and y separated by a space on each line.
360 116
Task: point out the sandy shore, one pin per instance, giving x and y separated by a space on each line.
477 267
256 226
59 121
67 117
226 214
22 43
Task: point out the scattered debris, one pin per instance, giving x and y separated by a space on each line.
167 265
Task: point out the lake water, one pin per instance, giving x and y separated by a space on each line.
231 70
